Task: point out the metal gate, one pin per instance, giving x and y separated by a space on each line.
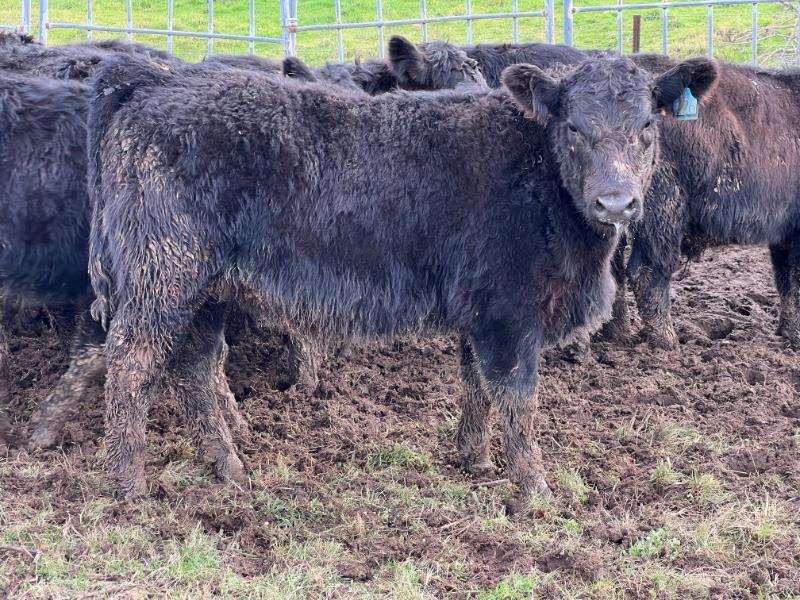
286 22
572 7
24 22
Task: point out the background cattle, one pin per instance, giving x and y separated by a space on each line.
718 183
74 61
436 66
400 226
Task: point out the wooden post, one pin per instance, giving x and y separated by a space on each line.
637 30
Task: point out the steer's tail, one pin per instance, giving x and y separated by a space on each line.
112 86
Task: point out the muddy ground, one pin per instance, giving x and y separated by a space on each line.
676 474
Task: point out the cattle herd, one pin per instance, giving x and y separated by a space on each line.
506 194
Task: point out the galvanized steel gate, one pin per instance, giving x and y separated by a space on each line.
290 26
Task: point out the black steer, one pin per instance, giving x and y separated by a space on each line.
362 216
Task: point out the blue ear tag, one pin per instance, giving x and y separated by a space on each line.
685 106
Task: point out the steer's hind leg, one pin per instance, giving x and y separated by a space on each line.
5 382
225 397
786 268
650 278
135 358
474 437
509 360
194 373
87 362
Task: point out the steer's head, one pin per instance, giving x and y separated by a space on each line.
432 65
602 119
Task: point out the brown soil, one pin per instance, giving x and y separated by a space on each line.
724 404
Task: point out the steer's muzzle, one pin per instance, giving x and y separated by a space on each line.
616 208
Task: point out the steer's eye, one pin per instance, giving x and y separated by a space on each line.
572 128
647 125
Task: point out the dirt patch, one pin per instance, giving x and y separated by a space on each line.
646 451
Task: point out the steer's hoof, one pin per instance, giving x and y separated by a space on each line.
665 339
43 436
790 334
131 489
519 502
230 468
614 331
483 468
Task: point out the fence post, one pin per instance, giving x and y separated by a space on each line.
637 33
289 25
550 21
26 16
568 15
44 6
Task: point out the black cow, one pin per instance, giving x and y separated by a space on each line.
244 61
729 178
75 61
360 216
431 66
44 219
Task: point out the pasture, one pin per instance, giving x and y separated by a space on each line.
675 473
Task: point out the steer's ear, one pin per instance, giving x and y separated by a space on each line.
697 74
296 69
533 91
408 63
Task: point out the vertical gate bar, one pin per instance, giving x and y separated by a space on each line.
89 19
514 32
284 26
44 9
755 34
339 41
619 27
170 22
26 16
130 19
210 26
252 46
423 10
710 30
568 22
379 7
293 25
664 43
469 22
550 21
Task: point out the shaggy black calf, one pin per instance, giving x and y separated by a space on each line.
360 216
44 223
243 61
429 66
729 178
72 61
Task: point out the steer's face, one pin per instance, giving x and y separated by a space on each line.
602 120
432 66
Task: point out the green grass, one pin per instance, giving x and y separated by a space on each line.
686 28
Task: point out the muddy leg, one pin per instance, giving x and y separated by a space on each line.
786 268
650 281
87 362
617 328
5 382
473 436
509 361
135 358
304 356
225 397
194 381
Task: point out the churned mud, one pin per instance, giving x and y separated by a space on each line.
676 474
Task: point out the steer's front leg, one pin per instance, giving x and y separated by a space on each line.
509 361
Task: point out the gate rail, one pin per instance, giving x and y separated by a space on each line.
24 24
288 22
571 9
